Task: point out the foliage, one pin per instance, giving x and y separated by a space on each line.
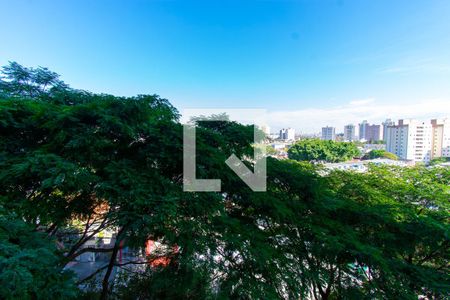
380 154
322 151
173 282
74 162
29 264
379 142
438 160
270 150
23 82
399 218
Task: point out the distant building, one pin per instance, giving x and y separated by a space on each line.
279 146
328 133
369 132
362 166
349 133
287 134
441 138
373 133
410 140
385 124
362 130
274 136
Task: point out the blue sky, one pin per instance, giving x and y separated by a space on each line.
309 63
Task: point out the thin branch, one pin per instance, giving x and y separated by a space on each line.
72 253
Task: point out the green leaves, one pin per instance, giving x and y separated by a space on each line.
322 151
20 81
380 154
29 264
72 157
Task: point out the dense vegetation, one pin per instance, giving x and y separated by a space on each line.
380 154
322 151
439 160
73 163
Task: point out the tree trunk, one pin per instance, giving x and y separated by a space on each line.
112 261
105 282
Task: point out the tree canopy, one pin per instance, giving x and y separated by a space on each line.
322 151
74 163
380 154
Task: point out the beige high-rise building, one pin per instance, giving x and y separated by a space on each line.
441 138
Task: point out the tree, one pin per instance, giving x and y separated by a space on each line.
20 81
399 220
29 263
322 151
270 150
73 163
438 160
113 162
380 154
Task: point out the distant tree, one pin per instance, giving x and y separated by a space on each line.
438 160
270 150
376 142
19 81
380 154
320 150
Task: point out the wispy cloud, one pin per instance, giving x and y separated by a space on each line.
412 66
362 101
312 119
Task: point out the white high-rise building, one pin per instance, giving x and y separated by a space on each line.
385 124
362 130
349 133
411 140
328 133
287 134
441 137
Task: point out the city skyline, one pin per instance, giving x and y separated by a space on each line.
310 121
341 129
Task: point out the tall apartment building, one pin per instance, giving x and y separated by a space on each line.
385 124
369 132
349 133
441 138
287 134
362 130
373 133
411 140
328 133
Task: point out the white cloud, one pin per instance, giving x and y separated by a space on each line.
312 119
412 66
362 101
